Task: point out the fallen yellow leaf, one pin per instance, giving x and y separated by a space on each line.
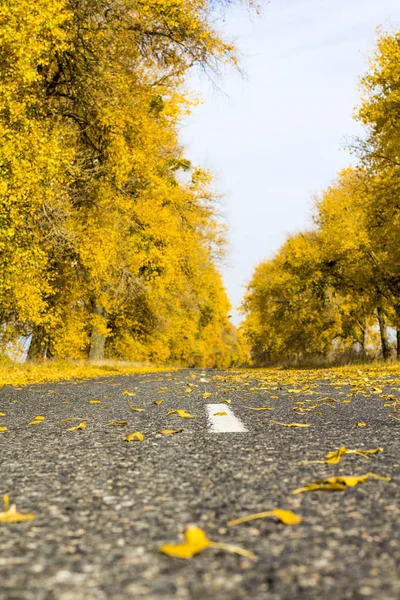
3 428
10 514
136 435
285 516
2 414
78 427
118 423
94 401
339 483
333 457
196 541
128 393
181 413
170 431
207 394
221 414
361 424
290 424
158 402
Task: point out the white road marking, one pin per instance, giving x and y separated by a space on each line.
224 424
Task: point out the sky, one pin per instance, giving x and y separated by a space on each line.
276 136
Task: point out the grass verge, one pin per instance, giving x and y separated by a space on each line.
21 374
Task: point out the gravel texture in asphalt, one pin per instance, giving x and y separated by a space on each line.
104 506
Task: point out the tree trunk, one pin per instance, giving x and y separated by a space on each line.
398 343
98 338
363 338
383 332
38 345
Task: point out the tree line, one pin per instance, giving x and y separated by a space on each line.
110 239
334 290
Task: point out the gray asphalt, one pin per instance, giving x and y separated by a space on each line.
104 506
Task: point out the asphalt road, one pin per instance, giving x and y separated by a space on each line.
104 506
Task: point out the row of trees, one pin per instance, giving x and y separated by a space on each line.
336 287
109 238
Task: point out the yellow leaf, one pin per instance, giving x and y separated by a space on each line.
226 401
94 401
196 541
158 402
2 414
35 422
128 393
220 414
133 409
333 457
361 424
290 424
119 423
339 483
206 394
285 516
260 408
181 413
10 515
393 417
81 425
136 435
170 431
189 390
3 428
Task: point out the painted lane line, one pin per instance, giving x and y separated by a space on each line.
223 424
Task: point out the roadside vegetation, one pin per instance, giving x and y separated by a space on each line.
110 239
21 374
332 293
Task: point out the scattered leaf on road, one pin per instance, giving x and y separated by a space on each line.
333 457
136 435
285 516
78 427
181 413
339 483
118 423
170 431
221 413
290 424
10 514
196 541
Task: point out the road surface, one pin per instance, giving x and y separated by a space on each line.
104 506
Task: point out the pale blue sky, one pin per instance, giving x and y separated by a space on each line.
276 137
